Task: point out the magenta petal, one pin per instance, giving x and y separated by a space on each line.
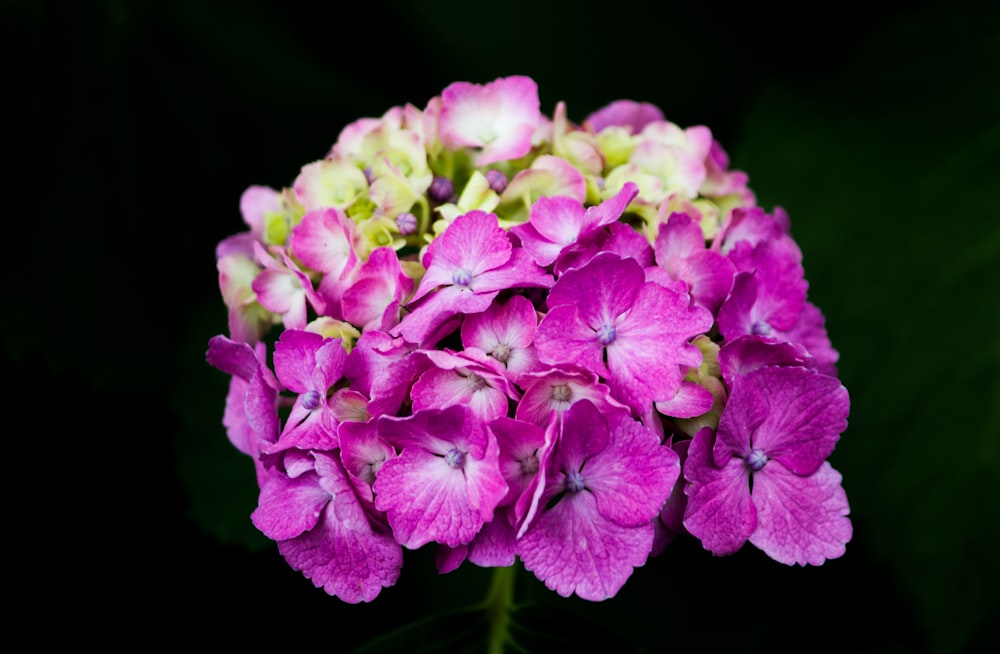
626 113
564 338
554 223
446 481
572 548
343 554
747 353
652 345
494 546
720 511
813 413
473 242
802 520
288 507
232 357
689 401
633 476
744 412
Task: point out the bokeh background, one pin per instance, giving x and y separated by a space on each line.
134 127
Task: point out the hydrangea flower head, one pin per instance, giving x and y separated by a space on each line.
483 328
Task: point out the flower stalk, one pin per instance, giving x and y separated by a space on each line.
499 604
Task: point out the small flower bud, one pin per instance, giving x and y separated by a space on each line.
497 180
406 223
441 189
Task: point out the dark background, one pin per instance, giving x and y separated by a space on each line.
134 127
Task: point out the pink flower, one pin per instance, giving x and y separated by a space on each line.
322 529
506 332
324 242
445 483
681 252
606 311
605 483
377 291
557 224
467 267
309 365
625 113
764 477
469 378
499 118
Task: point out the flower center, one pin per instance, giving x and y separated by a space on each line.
606 334
529 464
574 482
761 328
561 393
310 400
755 459
475 382
501 353
454 458
461 277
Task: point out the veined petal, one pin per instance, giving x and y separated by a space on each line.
574 549
801 520
720 511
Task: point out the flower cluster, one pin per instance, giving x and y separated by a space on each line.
515 337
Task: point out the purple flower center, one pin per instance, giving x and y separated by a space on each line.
574 482
461 277
310 400
606 334
529 464
761 328
755 459
454 458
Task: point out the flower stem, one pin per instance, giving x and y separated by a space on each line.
498 604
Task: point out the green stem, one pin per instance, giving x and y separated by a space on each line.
498 604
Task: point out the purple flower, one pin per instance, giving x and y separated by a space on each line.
548 394
605 483
324 242
467 267
506 332
445 483
625 113
765 478
769 292
373 298
322 529
557 224
606 311
251 413
470 378
308 364
681 252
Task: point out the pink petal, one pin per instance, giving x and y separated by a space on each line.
720 511
801 520
632 477
572 548
289 507
812 415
